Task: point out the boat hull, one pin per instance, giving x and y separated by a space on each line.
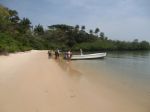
88 56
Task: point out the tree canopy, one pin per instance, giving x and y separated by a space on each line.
19 35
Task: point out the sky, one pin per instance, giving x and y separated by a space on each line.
118 19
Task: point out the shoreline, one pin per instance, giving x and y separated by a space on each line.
30 82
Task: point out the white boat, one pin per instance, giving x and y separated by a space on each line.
88 56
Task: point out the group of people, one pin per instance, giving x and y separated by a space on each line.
67 55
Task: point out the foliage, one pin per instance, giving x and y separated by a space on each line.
18 35
39 30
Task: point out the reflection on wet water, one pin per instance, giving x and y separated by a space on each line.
69 68
125 72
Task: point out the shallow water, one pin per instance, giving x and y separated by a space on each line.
31 82
127 73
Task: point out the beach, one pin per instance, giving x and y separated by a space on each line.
31 82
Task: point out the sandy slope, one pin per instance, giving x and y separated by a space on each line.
30 82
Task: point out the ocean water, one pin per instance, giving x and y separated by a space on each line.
128 73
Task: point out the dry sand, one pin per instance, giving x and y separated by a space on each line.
30 82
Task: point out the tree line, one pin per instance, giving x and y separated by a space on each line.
18 34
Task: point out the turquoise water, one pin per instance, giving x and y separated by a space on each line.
125 72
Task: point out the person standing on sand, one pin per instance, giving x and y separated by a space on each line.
57 53
69 55
49 54
65 55
52 53
81 53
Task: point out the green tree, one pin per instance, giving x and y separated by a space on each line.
144 45
24 25
135 44
91 32
14 18
4 19
82 28
62 27
97 30
77 27
102 35
39 30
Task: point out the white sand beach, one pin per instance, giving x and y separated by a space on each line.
30 82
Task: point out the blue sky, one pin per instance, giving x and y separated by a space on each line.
119 19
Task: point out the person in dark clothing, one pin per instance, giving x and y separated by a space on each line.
56 53
49 54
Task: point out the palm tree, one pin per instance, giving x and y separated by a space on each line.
39 30
14 16
96 31
91 32
25 25
77 27
83 28
102 35
25 22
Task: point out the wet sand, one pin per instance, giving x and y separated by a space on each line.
30 82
